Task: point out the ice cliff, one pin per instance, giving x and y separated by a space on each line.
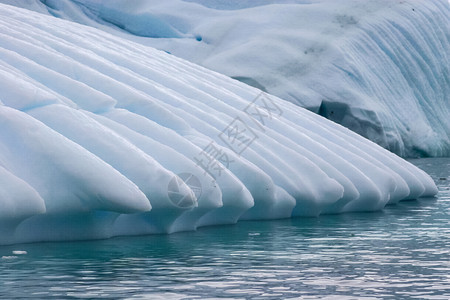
380 68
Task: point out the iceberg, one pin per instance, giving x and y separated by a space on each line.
380 69
101 137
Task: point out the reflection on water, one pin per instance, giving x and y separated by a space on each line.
401 252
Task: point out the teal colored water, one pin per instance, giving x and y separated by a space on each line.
402 252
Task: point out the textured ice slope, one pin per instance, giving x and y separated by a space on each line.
100 137
380 68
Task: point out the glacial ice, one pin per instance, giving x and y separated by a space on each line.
100 137
380 68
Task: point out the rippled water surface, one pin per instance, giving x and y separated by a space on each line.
401 252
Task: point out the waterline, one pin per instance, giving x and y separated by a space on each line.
400 252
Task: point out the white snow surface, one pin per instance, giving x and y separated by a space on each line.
101 136
380 68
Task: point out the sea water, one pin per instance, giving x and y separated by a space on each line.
401 252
